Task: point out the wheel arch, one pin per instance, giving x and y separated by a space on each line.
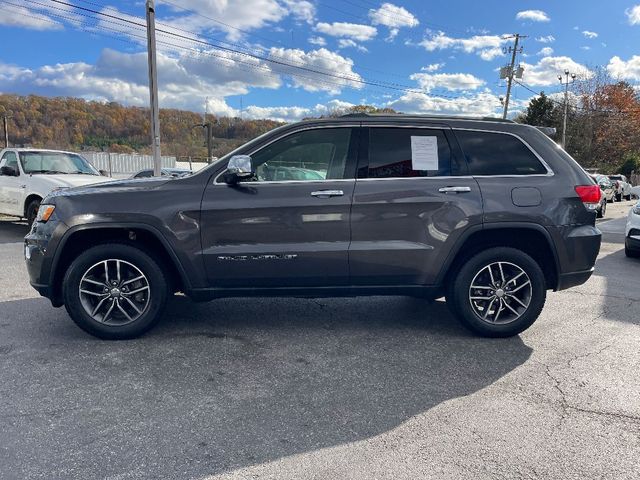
30 198
530 238
144 237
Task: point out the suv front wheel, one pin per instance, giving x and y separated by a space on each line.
115 291
499 292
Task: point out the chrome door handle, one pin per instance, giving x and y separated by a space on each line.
454 189
327 193
23 186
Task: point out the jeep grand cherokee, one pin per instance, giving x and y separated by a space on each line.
490 214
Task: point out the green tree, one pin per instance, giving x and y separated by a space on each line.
541 112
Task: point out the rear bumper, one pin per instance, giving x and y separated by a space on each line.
568 280
577 248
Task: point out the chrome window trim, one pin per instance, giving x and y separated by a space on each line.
310 127
550 172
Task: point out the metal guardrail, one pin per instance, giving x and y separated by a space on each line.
123 163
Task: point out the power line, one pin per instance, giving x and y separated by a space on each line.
198 53
347 78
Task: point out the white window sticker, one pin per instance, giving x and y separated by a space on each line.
424 153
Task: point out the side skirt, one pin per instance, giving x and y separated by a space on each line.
420 291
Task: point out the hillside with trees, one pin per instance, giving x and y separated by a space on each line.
77 124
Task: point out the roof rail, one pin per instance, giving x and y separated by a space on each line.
434 117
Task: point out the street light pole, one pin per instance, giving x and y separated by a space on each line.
153 88
6 115
566 103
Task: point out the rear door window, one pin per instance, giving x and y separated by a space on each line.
491 153
391 154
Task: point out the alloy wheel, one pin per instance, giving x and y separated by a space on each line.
114 292
500 293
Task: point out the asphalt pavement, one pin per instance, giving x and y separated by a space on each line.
364 388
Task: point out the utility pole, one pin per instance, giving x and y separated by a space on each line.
508 72
5 117
153 88
567 74
208 128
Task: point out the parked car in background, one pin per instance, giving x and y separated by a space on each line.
622 187
635 191
632 233
165 172
607 193
405 205
29 175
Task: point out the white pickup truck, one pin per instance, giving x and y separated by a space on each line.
27 175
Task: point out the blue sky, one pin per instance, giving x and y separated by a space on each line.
287 59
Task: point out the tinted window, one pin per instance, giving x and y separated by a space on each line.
310 155
498 154
390 154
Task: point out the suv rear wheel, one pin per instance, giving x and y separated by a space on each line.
499 292
115 291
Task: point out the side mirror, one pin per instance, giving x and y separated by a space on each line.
8 171
239 168
104 173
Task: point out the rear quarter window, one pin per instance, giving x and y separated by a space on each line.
490 153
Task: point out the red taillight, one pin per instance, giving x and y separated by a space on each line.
589 193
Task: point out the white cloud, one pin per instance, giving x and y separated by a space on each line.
487 46
317 41
449 81
302 10
295 113
393 33
391 15
546 52
585 47
533 15
244 15
348 43
321 60
184 80
433 67
625 70
546 39
546 71
633 14
481 104
354 31
589 34
24 18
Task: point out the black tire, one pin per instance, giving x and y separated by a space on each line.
458 292
157 291
631 253
32 211
618 197
602 210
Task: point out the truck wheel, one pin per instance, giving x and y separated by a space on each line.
32 211
618 197
498 293
115 291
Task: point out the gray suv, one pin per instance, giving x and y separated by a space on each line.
489 213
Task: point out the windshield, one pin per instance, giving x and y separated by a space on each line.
55 162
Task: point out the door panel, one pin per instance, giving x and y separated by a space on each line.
405 222
284 233
11 188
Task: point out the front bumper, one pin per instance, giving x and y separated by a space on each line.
632 241
39 250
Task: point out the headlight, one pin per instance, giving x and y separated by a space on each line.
44 213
